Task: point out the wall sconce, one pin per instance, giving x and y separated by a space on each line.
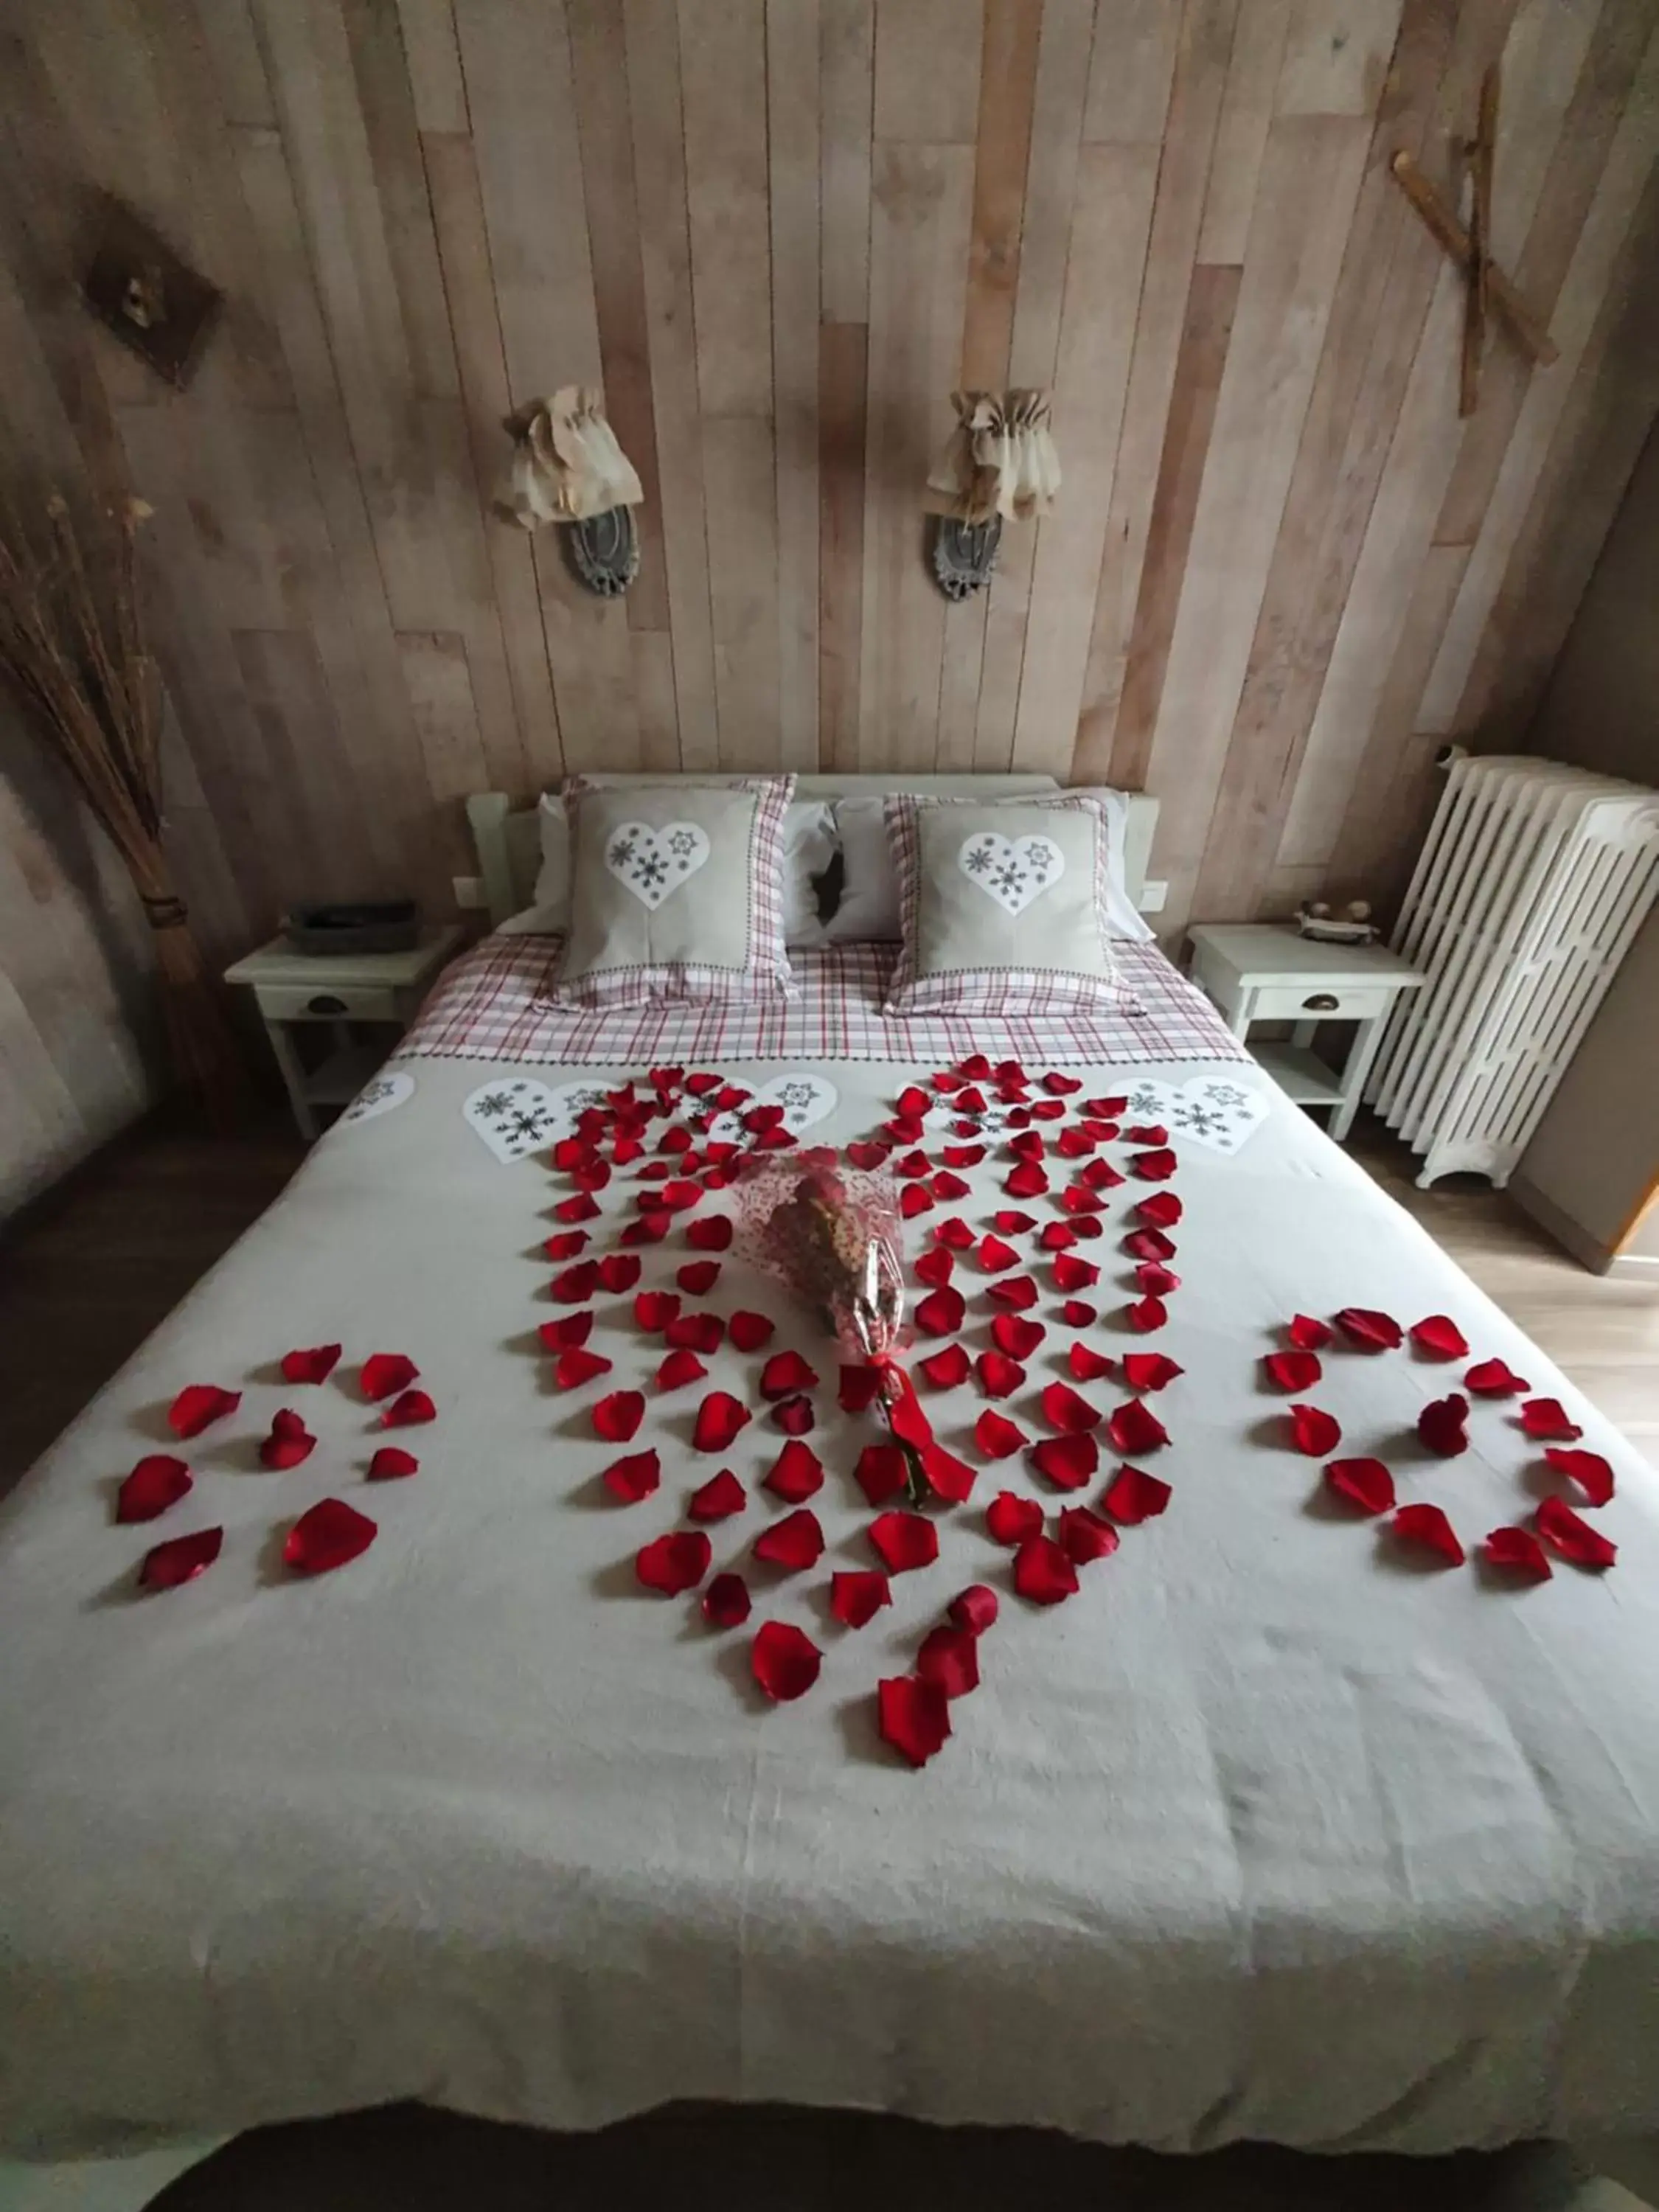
1000 464
566 467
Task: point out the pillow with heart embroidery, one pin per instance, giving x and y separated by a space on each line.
1003 904
676 892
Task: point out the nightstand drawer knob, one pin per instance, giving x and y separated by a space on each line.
1322 1002
325 1003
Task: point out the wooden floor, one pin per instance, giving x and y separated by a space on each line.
88 1276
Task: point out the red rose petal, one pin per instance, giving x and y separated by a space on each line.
566 1245
1012 1519
719 1418
1546 1418
881 1472
961 1156
1519 1552
1588 1469
914 1200
1057 1237
1080 1200
1072 1273
1293 1371
1100 1175
289 1442
565 1334
1436 1336
912 1715
1076 1313
1365 1483
1148 1244
718 1498
1064 1409
1105 1108
1009 1222
903 1541
1147 1133
199 1404
913 1101
726 1601
797 1474
180 1559
1018 1293
674 1562
1145 1314
996 1436
857 1597
994 1256
1086 1364
974 1608
948 1477
633 1478
946 1370
999 1376
1085 1536
679 1368
1062 1086
1135 1428
698 1276
615 1418
1367 1330
1307 1335
582 1207
573 1288
409 1409
654 1309
391 1463
1427 1525
712 1234
1575 1540
1155 1279
1161 1211
748 1331
912 1166
326 1537
577 1366
1441 1425
860 1388
1134 1496
1074 1144
159 1481
1027 1145
313 1366
1148 1370
1043 1572
794 1543
1067 1462
695 1332
1018 1339
941 1312
1314 1431
784 1374
1155 1166
649 1229
1491 1378
866 1155
593 1177
936 1267
947 1185
950 1657
1028 1180
955 1232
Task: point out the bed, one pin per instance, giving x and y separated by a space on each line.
1279 1828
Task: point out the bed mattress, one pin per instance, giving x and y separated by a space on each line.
1279 1828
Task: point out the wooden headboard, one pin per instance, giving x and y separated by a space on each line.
509 838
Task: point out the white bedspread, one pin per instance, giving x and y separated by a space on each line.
1265 1833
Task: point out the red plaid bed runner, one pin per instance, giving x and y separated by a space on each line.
486 1008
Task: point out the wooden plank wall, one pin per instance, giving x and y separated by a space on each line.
777 233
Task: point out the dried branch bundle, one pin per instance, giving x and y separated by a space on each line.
72 647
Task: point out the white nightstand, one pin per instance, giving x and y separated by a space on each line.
299 991
1260 972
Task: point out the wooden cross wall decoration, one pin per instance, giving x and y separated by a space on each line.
1470 248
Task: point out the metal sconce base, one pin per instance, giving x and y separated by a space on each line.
603 552
964 554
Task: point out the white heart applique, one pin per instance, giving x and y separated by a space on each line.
379 1095
653 864
1014 871
514 1115
805 1096
1211 1111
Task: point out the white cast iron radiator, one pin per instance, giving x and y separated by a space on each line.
1532 882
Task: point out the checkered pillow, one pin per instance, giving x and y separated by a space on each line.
1005 905
676 892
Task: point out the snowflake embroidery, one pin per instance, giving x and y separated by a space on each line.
651 871
1042 857
495 1101
531 1123
681 843
621 852
1228 1094
1203 1120
978 860
1009 878
1142 1102
370 1092
797 1100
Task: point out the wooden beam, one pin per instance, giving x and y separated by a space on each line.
1529 332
